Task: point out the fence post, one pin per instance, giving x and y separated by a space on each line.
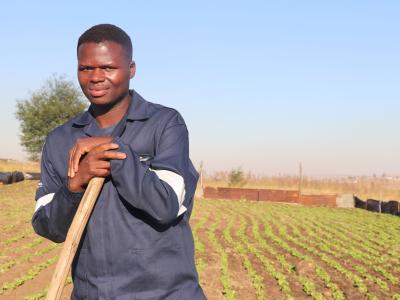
300 180
201 194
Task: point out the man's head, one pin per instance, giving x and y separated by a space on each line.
107 33
105 64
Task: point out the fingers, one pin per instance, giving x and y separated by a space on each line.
87 172
100 168
108 155
97 158
102 164
105 147
98 164
103 173
78 151
70 169
81 147
76 158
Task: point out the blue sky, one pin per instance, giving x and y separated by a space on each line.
261 84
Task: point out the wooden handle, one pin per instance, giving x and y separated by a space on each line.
73 238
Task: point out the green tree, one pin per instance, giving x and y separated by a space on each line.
236 178
50 106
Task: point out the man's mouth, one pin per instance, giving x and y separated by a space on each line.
97 92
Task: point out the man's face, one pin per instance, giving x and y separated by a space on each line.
104 72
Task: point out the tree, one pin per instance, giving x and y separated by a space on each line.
236 178
50 106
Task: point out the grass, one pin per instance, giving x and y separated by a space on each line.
378 187
9 165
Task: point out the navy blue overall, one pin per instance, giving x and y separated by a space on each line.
138 243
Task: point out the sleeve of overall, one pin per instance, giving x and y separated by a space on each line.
55 204
158 189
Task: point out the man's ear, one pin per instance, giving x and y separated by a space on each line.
132 69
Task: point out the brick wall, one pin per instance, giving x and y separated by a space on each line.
210 192
231 193
318 200
278 195
290 196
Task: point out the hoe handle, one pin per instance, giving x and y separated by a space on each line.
73 238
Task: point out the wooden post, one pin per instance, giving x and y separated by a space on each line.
300 180
201 180
73 238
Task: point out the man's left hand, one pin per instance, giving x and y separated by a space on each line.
81 147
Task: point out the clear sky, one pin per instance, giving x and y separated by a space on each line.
261 84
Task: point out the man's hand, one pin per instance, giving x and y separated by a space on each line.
81 147
96 163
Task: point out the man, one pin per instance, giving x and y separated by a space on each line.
138 243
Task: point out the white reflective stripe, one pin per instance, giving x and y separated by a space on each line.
177 183
42 201
182 209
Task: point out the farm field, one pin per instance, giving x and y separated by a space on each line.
244 250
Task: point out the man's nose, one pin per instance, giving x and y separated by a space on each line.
97 75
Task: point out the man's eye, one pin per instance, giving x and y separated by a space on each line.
84 69
108 68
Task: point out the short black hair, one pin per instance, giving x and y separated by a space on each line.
107 32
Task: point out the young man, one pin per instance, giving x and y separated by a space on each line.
138 243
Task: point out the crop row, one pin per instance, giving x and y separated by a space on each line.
26 258
43 293
323 241
361 237
338 249
296 239
16 238
199 246
29 245
337 294
256 280
225 277
308 284
29 275
335 250
245 246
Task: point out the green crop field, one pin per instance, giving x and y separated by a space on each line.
244 250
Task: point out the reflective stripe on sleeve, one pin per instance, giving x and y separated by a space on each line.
42 201
177 183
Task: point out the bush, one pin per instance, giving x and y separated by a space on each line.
236 178
52 105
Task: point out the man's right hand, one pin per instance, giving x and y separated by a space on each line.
96 163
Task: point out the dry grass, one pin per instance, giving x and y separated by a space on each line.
376 187
382 188
9 165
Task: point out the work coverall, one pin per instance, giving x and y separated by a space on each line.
138 243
